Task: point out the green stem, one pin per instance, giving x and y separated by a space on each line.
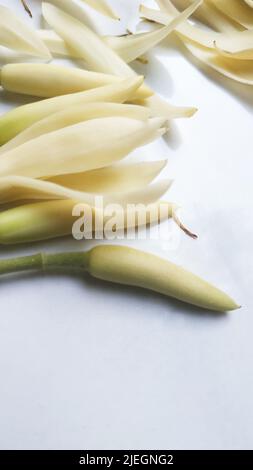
45 262
25 263
124 265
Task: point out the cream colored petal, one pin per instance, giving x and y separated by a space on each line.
238 43
239 11
159 106
85 42
237 46
56 44
17 35
19 188
74 115
186 30
75 9
97 54
59 48
102 6
211 16
18 119
116 178
80 147
133 46
49 80
220 60
124 265
146 195
238 70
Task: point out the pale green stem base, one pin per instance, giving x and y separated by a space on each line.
45 262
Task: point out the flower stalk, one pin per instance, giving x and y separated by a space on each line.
123 265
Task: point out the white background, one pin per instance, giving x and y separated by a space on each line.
89 365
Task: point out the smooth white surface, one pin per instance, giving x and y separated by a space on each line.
95 366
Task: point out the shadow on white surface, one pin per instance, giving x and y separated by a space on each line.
122 292
240 91
173 137
156 74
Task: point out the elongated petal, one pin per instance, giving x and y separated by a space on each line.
237 46
208 14
127 47
107 181
51 219
237 43
159 106
128 266
146 195
77 11
102 6
115 178
187 30
49 80
238 70
97 54
85 42
81 147
20 188
17 35
135 45
59 48
74 115
15 121
56 44
238 11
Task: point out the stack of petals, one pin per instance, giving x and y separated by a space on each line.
226 45
69 145
67 148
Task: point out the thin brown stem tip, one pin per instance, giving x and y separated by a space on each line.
183 227
26 7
